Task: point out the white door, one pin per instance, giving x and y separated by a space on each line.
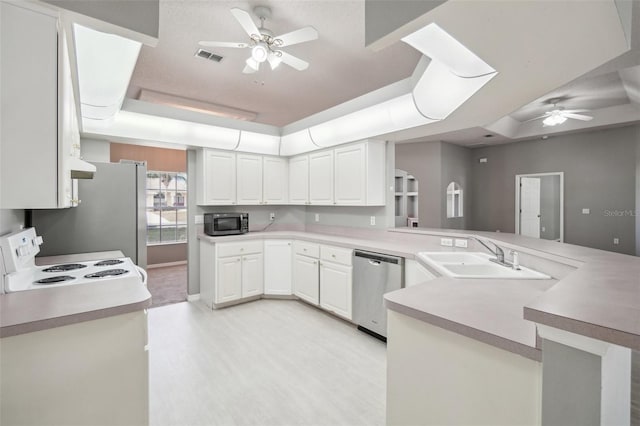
228 279
350 175
252 275
530 207
249 179
335 289
321 178
275 180
299 180
220 177
306 279
277 267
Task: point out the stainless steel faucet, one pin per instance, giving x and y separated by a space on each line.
498 252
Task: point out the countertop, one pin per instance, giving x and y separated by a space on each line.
600 298
35 310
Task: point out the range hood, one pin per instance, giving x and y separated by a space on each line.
81 169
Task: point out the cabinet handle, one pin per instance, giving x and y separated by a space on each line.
333 255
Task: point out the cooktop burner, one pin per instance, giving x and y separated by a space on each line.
65 267
56 279
107 273
109 262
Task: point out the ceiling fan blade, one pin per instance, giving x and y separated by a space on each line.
294 62
246 21
223 44
578 116
298 36
571 111
545 115
274 60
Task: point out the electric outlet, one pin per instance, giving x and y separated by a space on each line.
448 242
543 229
373 220
317 217
462 243
199 218
616 241
272 216
586 211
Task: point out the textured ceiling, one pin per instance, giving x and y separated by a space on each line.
341 68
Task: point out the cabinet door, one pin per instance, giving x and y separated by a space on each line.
228 279
220 177
335 289
277 267
321 178
350 175
306 278
249 179
252 275
299 180
275 180
28 109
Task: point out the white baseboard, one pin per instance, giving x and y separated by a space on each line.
163 265
193 297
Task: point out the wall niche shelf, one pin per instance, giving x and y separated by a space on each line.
406 199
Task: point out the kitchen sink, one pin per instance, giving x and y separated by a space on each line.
476 265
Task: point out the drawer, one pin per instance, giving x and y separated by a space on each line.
306 249
239 248
336 254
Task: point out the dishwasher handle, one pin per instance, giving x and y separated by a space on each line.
378 257
374 262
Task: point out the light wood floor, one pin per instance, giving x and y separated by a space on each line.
268 362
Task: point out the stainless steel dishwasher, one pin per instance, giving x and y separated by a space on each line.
374 274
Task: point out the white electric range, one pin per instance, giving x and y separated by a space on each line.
21 273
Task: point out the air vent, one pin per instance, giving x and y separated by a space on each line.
208 55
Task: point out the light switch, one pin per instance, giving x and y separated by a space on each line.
317 217
373 220
616 241
586 211
461 243
447 242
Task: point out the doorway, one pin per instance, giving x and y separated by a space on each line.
540 205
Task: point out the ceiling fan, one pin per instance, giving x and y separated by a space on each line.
264 45
559 115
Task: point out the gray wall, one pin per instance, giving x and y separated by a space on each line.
423 161
385 16
359 217
456 167
599 173
550 207
142 16
10 220
637 211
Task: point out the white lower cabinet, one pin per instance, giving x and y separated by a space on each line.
335 289
336 280
306 277
277 267
252 275
230 271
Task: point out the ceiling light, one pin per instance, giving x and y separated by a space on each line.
554 119
274 60
253 64
260 52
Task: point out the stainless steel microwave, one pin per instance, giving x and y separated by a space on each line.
216 224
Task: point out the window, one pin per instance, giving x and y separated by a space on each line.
166 207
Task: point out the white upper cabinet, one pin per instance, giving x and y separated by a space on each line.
216 177
299 180
39 131
249 179
275 180
360 174
321 178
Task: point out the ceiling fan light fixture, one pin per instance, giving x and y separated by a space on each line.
253 64
274 60
260 52
554 119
